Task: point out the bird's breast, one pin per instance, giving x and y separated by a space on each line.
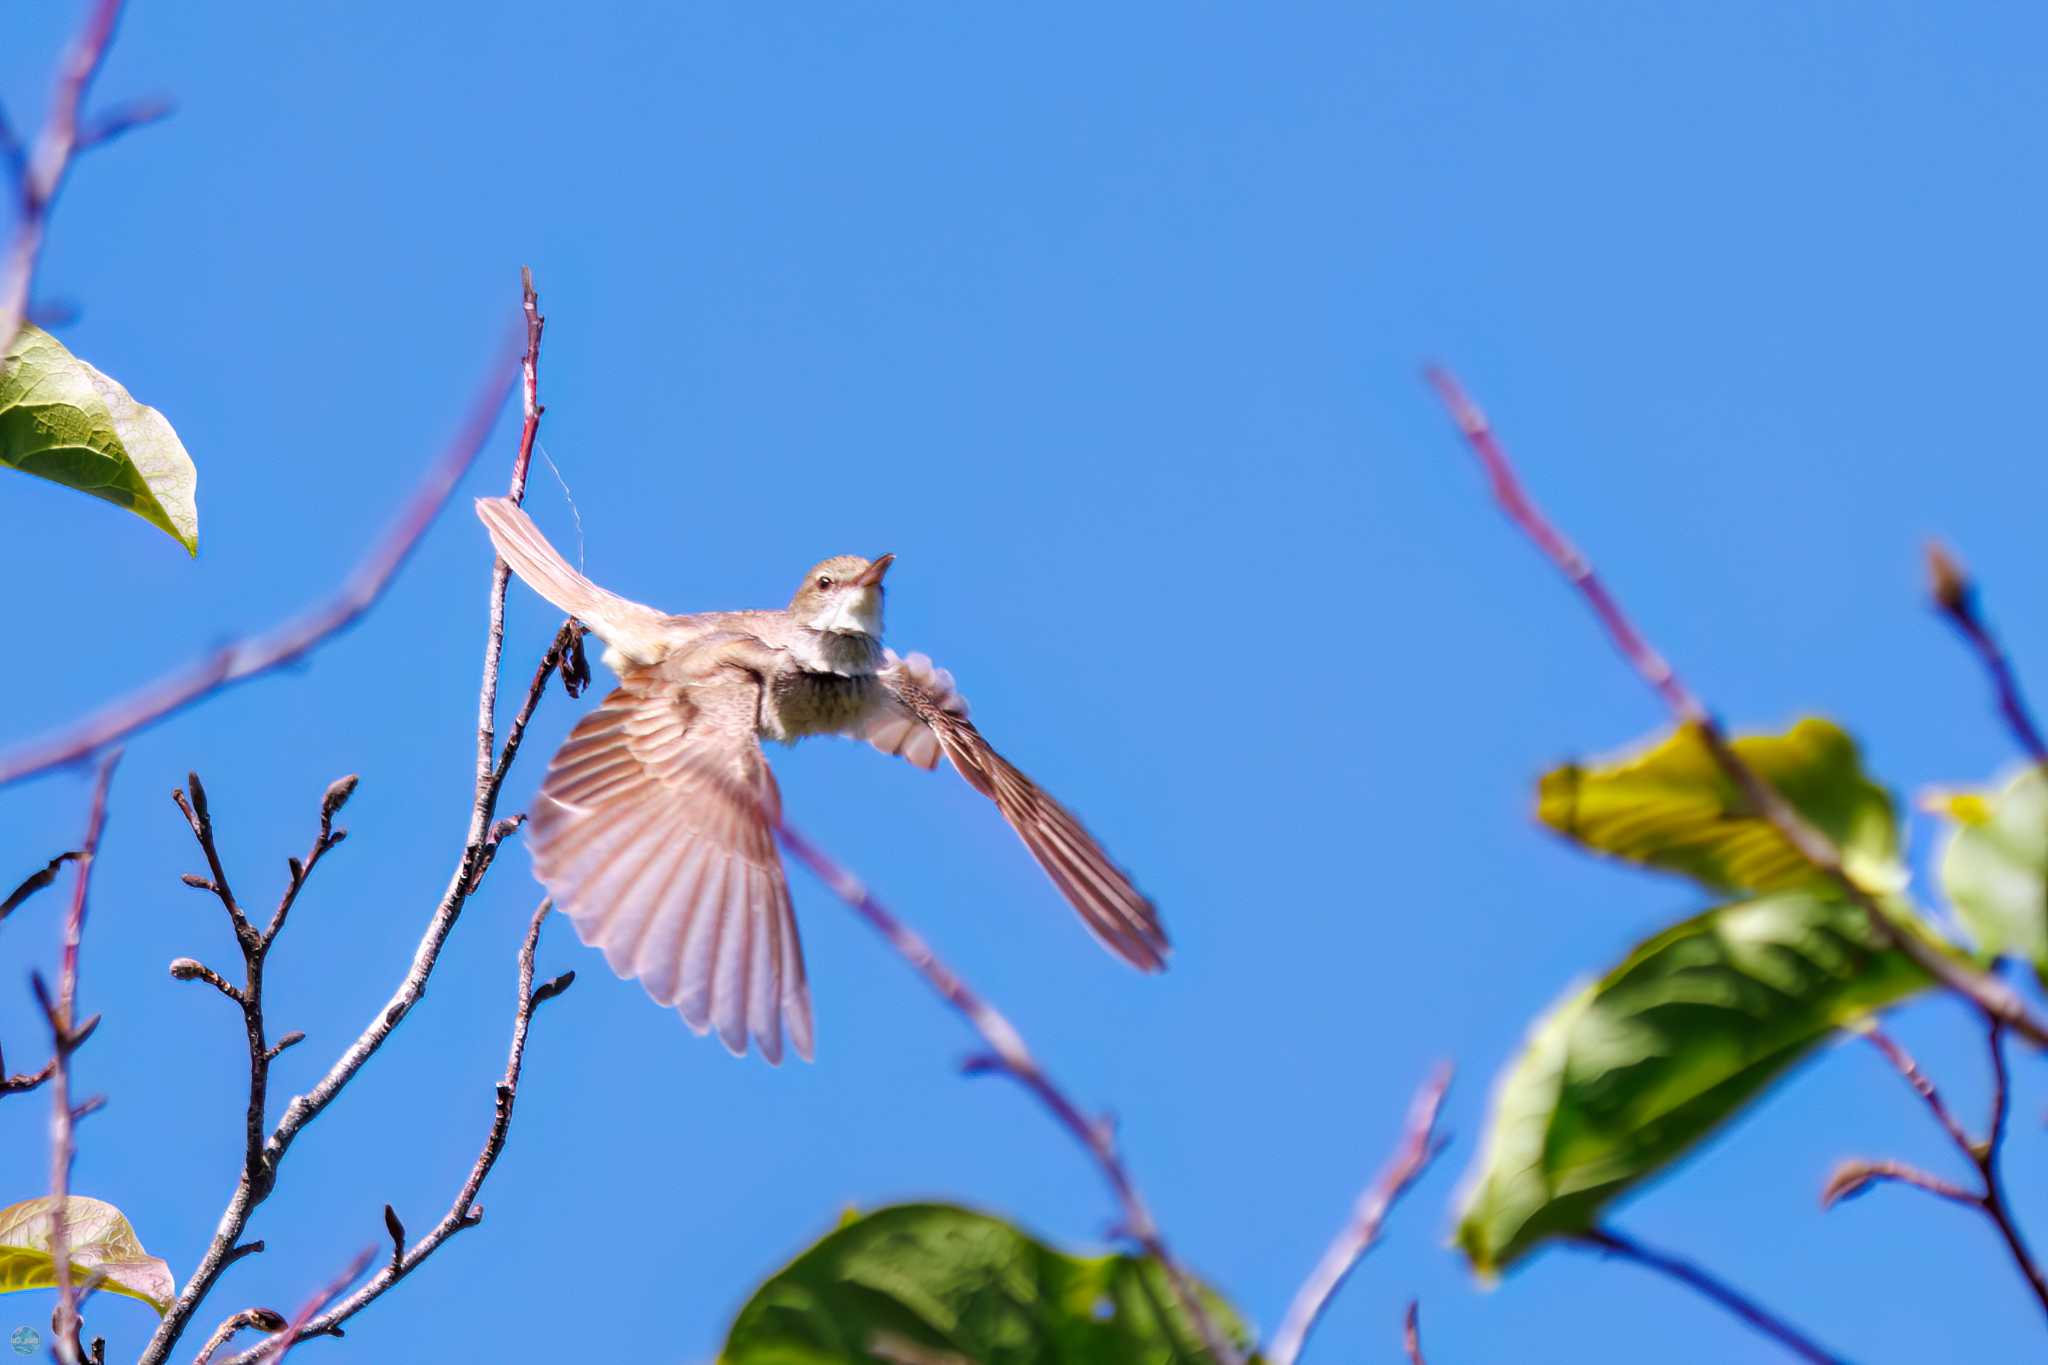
803 702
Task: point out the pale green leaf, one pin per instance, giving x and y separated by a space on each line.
1670 807
101 1243
1994 868
63 420
1627 1074
935 1283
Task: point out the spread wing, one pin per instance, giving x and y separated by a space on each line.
652 832
925 717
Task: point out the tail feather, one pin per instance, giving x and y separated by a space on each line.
626 626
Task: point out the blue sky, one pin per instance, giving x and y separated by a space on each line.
1107 321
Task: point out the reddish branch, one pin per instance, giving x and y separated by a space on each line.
297 1329
1411 1333
243 659
480 847
1419 1146
1692 1277
1852 1178
38 173
67 1035
1987 993
465 1212
1955 595
1009 1056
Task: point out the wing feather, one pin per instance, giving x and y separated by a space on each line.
925 716
652 833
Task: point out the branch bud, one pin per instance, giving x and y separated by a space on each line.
1947 581
186 969
338 793
1851 1178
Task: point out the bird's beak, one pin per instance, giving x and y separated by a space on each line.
871 577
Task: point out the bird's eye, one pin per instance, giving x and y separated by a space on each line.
824 581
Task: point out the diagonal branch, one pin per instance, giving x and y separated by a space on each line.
1955 595
1987 993
252 656
465 1212
1612 1243
1854 1177
67 1035
39 172
1419 1146
1009 1056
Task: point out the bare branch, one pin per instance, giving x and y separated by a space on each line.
1411 1332
298 1329
1988 993
40 174
1692 1277
67 1036
34 882
1854 1177
262 1319
123 119
1012 1058
1419 1146
1955 596
465 1212
257 1181
252 656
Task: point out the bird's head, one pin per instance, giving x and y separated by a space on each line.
842 595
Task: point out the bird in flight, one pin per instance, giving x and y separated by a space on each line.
653 829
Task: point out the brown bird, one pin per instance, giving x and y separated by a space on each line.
653 827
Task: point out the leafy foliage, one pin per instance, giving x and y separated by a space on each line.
936 1283
101 1243
62 420
1628 1073
1994 869
1672 808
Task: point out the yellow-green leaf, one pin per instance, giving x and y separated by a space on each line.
932 1282
1995 867
1670 807
63 420
1627 1074
101 1243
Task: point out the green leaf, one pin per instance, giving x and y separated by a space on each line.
1995 867
101 1243
942 1285
1625 1075
1671 807
62 420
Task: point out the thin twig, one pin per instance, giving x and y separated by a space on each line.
22 1082
1419 1146
67 1034
1692 1277
300 1327
465 1212
1988 993
42 171
1922 1085
1955 596
251 656
529 427
263 1319
1854 1177
1411 1332
1012 1058
479 846
34 882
